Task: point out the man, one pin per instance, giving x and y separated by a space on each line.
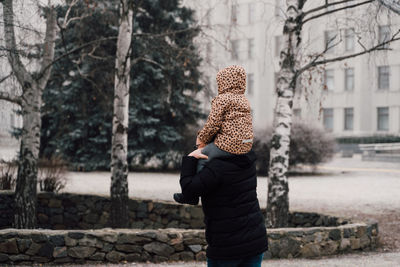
235 228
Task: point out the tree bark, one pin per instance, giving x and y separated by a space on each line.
278 188
30 102
119 165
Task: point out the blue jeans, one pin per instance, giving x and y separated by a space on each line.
212 151
254 261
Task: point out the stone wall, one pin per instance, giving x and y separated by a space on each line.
107 245
74 211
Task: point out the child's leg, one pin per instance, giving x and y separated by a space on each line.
212 151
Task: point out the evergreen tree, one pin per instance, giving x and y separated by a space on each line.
77 113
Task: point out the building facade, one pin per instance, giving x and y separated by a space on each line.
358 96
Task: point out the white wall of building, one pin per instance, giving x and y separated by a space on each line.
264 26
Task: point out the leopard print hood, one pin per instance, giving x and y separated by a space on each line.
231 80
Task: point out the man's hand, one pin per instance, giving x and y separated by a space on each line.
199 143
197 154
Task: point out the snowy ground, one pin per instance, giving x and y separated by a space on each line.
368 186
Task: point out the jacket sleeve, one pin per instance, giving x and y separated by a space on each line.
195 185
214 121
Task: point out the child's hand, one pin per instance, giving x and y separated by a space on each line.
197 154
199 143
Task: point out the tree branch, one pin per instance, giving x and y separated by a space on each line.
392 5
377 47
48 47
325 6
336 10
10 98
18 68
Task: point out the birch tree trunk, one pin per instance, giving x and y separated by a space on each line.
119 165
278 188
30 102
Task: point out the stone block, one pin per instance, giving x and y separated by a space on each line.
133 257
46 250
345 244
201 256
115 256
19 257
3 257
98 256
33 249
23 244
132 239
40 259
335 234
195 248
310 250
9 246
57 240
81 252
60 252
76 235
128 248
186 256
160 249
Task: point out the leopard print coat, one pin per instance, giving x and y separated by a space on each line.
230 121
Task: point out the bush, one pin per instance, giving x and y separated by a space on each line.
308 145
8 176
51 176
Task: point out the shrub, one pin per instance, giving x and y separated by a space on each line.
51 176
8 176
308 145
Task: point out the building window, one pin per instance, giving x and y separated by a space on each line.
234 14
384 35
349 79
329 79
349 40
250 48
235 49
250 83
383 119
348 119
330 44
328 118
278 45
383 77
251 13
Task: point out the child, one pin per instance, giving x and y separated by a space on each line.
228 129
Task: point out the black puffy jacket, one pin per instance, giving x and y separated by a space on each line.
235 226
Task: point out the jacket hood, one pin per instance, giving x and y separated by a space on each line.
231 80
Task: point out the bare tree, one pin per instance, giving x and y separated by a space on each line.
393 5
290 71
30 101
119 150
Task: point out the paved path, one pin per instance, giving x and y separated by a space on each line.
371 259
